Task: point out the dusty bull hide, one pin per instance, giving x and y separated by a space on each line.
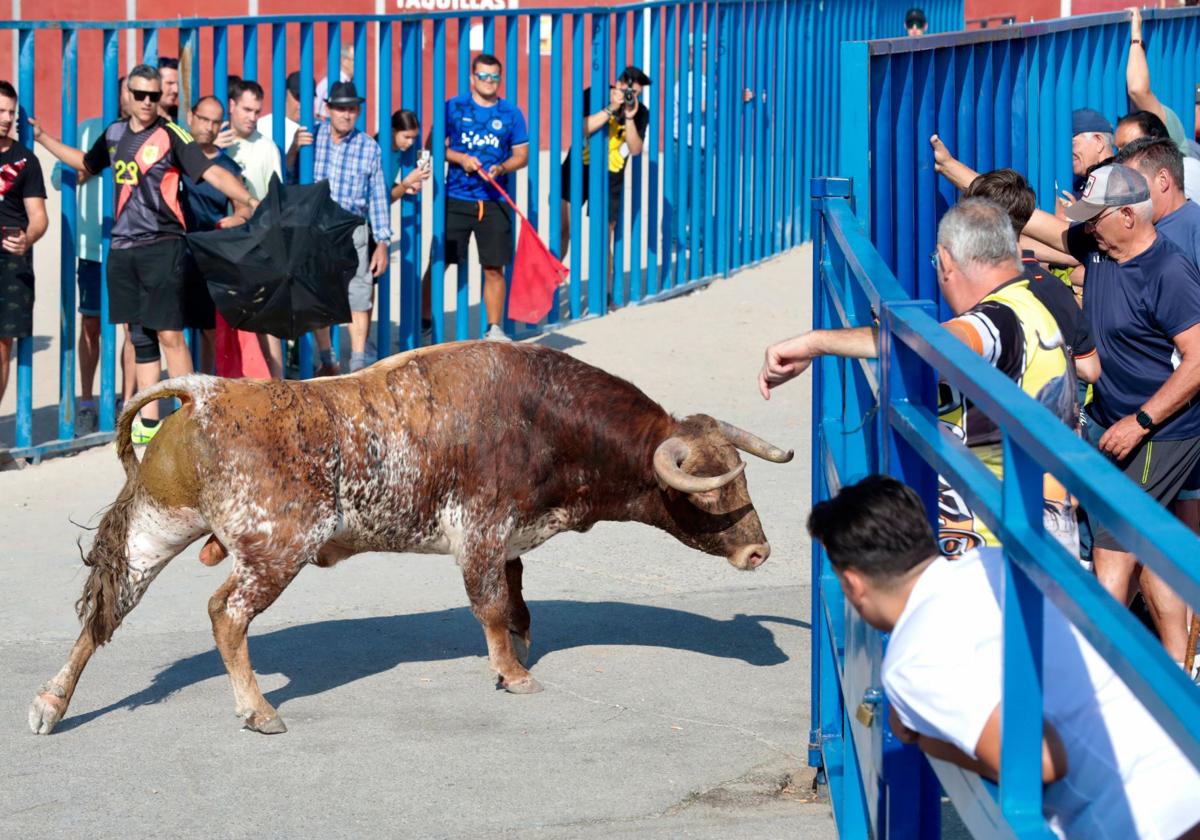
482 450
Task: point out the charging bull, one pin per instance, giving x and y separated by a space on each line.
483 450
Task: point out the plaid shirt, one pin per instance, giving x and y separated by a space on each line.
352 168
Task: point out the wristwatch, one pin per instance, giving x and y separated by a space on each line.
1143 419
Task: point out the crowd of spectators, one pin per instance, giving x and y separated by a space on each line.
207 166
1094 311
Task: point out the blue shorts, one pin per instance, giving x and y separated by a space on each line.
89 288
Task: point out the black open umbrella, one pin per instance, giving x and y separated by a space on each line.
285 272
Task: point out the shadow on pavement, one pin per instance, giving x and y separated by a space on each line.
325 655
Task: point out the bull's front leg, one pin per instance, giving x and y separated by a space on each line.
488 579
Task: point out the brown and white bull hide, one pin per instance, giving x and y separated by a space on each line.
482 450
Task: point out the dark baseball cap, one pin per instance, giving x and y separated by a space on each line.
1084 120
1114 185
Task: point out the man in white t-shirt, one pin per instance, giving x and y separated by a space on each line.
258 158
293 135
256 155
1110 770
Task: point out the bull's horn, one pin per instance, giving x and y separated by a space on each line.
755 445
671 453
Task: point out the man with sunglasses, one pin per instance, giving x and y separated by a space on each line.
146 277
485 132
1142 301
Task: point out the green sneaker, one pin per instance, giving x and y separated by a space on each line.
141 434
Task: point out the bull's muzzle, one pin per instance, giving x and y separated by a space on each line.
750 557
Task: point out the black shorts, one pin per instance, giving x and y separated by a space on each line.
16 296
489 221
1159 467
147 285
199 311
616 187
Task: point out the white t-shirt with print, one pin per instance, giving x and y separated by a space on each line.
943 674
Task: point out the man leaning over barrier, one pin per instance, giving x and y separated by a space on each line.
146 278
997 316
1142 301
1143 125
1109 769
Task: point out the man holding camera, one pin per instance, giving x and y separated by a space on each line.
626 118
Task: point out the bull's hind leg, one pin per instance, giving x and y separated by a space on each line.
259 575
488 581
518 612
136 539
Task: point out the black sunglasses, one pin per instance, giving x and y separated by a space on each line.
143 95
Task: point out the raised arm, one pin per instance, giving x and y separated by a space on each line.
1137 71
954 170
69 155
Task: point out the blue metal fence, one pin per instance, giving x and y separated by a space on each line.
880 416
998 97
719 186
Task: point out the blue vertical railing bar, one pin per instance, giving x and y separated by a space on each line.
637 177
462 305
307 92
534 99
685 146
250 52
553 146
67 241
410 208
598 170
383 118
150 46
670 123
698 96
108 331
578 109
617 268
708 170
657 134
512 81
437 254
359 40
25 86
220 80
333 74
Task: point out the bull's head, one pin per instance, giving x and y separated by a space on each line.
705 493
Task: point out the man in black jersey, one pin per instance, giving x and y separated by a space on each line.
146 277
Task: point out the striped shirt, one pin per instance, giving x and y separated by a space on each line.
352 168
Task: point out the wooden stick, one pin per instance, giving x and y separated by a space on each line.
1193 634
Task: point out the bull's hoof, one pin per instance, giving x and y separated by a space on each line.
526 686
520 647
46 710
264 725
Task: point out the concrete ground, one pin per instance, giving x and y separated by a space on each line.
676 700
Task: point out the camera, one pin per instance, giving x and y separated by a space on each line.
630 96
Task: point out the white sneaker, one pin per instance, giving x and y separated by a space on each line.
496 333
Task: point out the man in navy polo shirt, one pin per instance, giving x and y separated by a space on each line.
484 132
1142 301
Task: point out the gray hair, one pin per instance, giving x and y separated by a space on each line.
977 231
1110 140
1144 210
145 71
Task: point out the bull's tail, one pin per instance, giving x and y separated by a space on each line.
105 598
183 388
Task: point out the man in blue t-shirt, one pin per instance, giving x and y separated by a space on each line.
1178 220
484 132
1142 302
